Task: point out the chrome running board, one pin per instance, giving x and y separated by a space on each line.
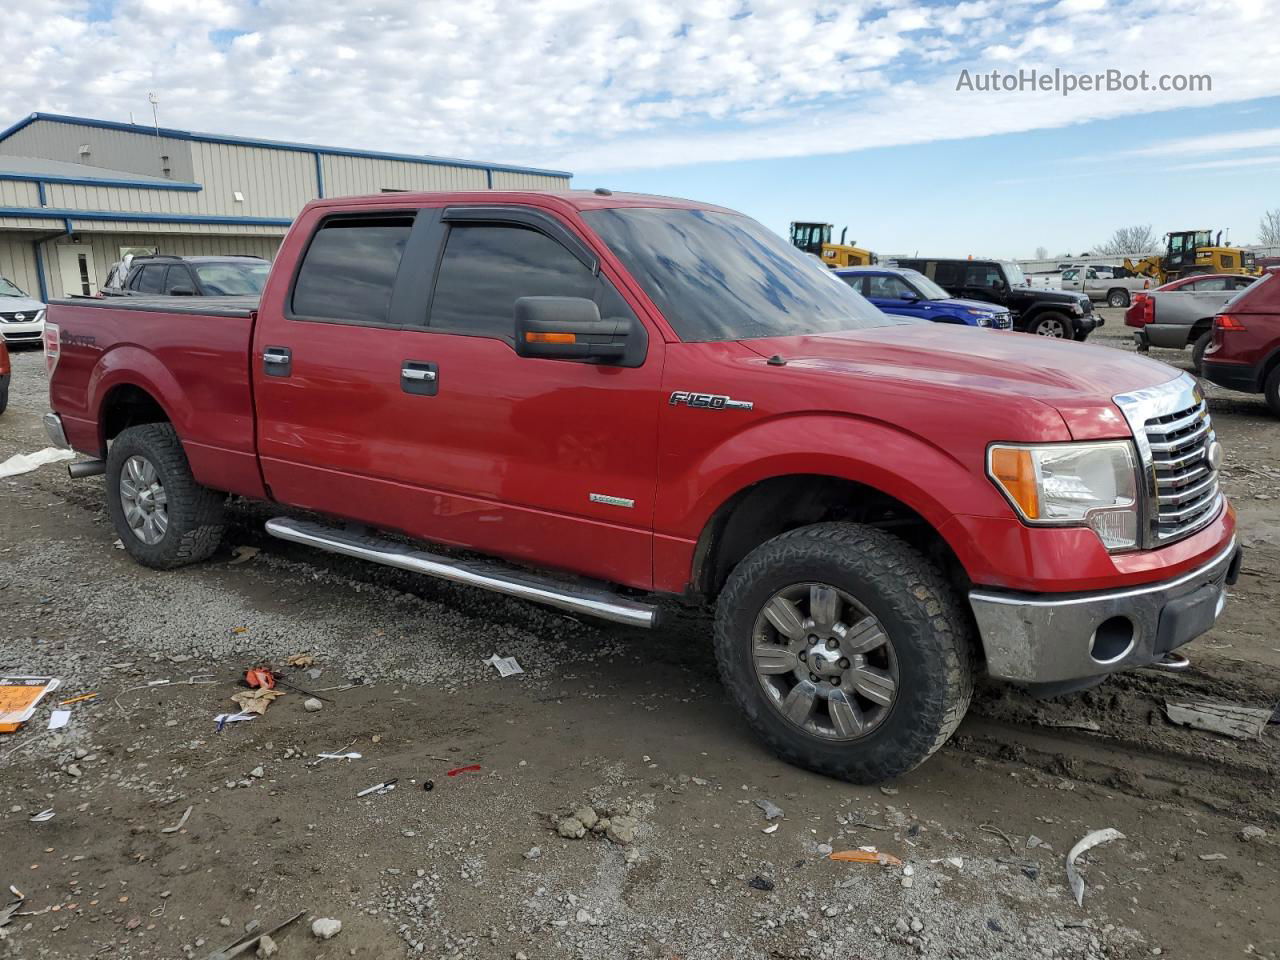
595 601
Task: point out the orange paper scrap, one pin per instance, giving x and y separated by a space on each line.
18 698
866 856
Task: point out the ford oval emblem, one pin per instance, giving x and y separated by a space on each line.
1215 455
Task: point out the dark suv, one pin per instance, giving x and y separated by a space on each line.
225 276
1049 313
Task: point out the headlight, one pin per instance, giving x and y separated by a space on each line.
39 316
1072 484
984 320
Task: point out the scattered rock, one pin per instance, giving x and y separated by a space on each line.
586 816
72 770
622 830
311 705
771 810
325 928
1213 856
889 791
267 947
571 828
533 853
916 925
257 773
1252 833
760 883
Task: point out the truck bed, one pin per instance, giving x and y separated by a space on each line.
191 354
206 306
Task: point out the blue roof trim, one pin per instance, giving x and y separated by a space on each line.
50 213
273 144
102 182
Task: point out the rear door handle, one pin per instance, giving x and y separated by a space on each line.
277 361
419 378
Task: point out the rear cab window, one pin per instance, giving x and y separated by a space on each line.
349 270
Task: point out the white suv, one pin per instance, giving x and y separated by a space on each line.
21 318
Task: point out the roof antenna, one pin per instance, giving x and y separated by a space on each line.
155 119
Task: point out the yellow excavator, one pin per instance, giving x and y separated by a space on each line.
815 238
1191 252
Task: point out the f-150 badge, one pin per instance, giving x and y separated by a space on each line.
707 401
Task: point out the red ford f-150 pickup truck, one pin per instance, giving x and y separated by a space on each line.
620 397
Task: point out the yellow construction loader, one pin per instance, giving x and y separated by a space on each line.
1191 252
815 238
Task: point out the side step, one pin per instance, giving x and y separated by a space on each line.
593 601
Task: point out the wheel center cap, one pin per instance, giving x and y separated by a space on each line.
823 661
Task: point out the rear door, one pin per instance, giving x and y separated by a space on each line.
983 280
375 406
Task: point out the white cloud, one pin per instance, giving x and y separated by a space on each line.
1211 143
607 84
1271 160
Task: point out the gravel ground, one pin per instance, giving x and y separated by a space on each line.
632 723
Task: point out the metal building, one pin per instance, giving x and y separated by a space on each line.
77 194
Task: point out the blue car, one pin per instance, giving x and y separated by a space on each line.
909 293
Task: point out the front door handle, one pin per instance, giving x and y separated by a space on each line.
419 378
277 361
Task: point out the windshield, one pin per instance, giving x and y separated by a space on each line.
723 276
1013 273
927 288
9 289
232 279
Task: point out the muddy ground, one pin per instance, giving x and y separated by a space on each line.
634 724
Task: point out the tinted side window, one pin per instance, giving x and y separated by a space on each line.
151 278
178 277
857 281
887 288
487 267
948 273
350 268
983 275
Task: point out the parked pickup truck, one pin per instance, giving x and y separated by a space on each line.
1180 314
621 398
1114 286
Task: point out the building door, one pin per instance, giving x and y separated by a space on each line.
75 266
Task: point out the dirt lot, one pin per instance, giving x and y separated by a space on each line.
632 723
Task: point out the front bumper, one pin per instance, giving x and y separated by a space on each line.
22 332
1048 638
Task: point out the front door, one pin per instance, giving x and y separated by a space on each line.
76 271
430 424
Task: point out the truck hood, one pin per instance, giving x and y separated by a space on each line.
982 305
1048 296
1076 379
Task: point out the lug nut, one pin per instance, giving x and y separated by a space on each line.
813 677
803 655
844 663
835 681
832 644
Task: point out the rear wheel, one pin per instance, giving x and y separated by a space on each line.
1118 298
1054 325
1197 352
846 650
1271 390
163 517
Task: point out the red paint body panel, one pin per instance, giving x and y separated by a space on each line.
4 360
503 459
1250 353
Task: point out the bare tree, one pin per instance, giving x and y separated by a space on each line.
1135 239
1269 228
1042 253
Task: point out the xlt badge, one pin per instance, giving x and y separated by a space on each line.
708 401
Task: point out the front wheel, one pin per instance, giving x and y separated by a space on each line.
162 516
846 650
1118 298
1054 325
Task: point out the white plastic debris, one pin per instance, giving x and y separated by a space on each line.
506 666
771 810
42 816
26 462
1087 842
349 755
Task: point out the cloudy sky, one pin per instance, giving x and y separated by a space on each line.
840 111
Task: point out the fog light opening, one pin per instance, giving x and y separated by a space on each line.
1112 639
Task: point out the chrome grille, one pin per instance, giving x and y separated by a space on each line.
1186 484
1002 321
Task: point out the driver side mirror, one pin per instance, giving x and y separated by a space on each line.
910 296
570 328
182 291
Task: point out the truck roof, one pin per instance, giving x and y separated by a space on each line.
573 199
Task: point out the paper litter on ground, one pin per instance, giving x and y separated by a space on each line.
58 719
506 666
18 698
26 462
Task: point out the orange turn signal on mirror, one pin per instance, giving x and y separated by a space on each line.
1013 470
531 337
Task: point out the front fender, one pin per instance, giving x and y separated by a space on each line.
932 481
